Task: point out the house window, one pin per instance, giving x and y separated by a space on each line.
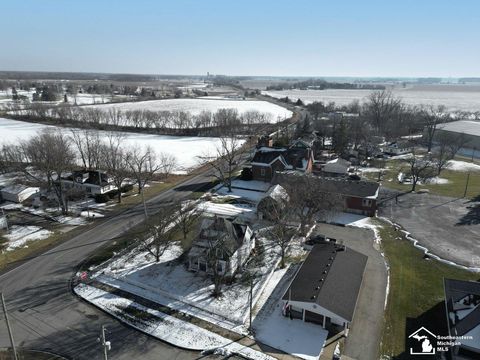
262 171
220 267
202 265
367 202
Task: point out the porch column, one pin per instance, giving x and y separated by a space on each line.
303 315
324 321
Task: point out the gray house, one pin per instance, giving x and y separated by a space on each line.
231 240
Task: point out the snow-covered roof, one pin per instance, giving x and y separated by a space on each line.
17 189
462 300
468 127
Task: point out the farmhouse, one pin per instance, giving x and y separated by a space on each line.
360 196
223 243
268 160
462 302
18 193
326 287
469 130
90 181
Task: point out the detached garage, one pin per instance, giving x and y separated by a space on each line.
18 193
326 287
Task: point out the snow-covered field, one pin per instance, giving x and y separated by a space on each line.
78 99
185 149
453 100
196 106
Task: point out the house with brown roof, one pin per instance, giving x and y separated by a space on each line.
268 160
359 196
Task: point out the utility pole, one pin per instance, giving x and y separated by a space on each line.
144 204
251 303
10 334
6 220
466 185
105 344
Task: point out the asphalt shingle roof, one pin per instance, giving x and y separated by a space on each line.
331 276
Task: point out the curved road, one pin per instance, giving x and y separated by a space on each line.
44 314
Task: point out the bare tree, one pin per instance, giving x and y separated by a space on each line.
187 214
167 163
431 117
281 232
89 147
116 161
310 201
226 160
51 154
158 236
143 166
420 169
380 108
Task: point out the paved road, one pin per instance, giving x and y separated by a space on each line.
46 315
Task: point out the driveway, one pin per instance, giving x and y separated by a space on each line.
447 227
365 332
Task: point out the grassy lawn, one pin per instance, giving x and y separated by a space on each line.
454 188
416 291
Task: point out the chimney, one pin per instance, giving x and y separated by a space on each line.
265 141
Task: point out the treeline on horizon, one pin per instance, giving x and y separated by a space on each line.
320 84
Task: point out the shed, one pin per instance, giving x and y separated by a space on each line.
18 193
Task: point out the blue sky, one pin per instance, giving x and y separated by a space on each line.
284 38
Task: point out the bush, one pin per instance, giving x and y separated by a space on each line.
126 188
101 198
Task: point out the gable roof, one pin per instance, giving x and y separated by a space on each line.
455 292
230 233
295 157
347 187
330 276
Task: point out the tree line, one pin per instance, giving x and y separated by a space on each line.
49 155
320 84
160 122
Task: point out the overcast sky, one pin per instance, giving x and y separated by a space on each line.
276 37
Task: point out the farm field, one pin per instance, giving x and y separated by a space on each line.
196 106
185 149
454 98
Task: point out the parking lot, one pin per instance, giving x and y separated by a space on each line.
448 227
